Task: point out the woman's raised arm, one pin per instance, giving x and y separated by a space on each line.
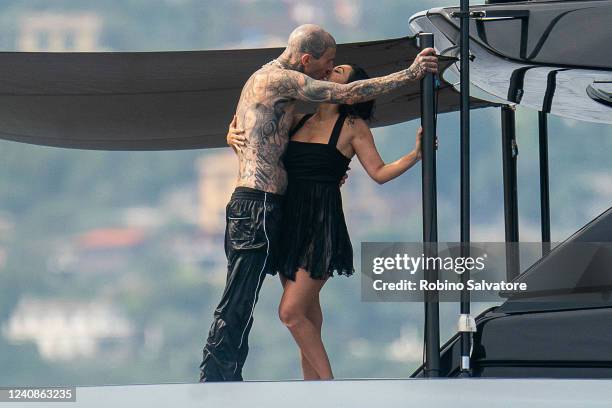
365 149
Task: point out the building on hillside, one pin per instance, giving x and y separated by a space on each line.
217 174
345 12
55 31
66 330
100 250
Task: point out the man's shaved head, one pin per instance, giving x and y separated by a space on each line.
310 39
310 50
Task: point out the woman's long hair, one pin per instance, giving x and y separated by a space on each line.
364 110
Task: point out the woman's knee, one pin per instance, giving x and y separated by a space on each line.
291 315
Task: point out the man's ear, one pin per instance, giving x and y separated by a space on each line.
306 59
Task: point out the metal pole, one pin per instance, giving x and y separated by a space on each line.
509 157
544 197
466 322
430 228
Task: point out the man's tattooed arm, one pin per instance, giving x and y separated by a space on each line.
299 86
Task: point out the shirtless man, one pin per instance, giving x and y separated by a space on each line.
254 211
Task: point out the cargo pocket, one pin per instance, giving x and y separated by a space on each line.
240 225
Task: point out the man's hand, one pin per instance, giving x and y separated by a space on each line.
235 137
425 61
343 179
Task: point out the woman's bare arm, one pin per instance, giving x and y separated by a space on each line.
365 149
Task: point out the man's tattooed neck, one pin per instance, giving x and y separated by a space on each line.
282 63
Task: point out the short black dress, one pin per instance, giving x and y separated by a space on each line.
313 230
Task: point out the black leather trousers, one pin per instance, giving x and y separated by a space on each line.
251 238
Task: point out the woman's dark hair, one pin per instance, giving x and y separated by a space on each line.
364 110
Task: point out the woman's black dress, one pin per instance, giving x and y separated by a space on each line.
313 231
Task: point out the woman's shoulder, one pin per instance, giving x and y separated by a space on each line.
355 125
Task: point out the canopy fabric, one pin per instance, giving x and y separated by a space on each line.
167 100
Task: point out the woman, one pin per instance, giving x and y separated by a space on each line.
314 236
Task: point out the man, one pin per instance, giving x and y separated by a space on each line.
253 214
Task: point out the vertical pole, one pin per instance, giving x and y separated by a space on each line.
544 197
509 158
430 227
464 106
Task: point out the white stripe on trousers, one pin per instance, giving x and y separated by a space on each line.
259 278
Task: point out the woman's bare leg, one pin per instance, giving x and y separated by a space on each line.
315 315
295 304
308 371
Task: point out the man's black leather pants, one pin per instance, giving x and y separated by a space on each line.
251 238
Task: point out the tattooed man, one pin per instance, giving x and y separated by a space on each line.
253 214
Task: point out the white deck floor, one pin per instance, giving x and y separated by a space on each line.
388 393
